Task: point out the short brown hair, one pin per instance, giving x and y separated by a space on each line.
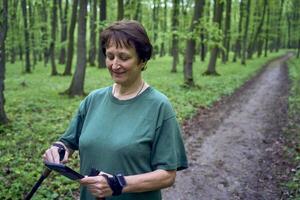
129 33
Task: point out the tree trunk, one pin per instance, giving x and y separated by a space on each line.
278 40
155 18
70 51
120 9
260 45
53 38
237 51
225 54
175 24
298 52
63 31
32 32
138 12
202 35
26 36
14 35
190 47
164 29
253 43
245 37
44 31
3 31
101 57
77 84
289 23
267 32
218 10
93 21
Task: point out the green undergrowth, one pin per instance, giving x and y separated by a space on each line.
293 129
38 114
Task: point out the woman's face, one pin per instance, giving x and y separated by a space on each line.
123 64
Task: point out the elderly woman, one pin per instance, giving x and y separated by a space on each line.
129 130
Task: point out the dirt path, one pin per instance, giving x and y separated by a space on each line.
234 147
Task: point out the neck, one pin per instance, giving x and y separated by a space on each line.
127 92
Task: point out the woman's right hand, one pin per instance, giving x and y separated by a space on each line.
52 155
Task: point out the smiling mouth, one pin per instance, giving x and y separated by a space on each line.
118 73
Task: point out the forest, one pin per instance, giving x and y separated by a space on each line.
61 37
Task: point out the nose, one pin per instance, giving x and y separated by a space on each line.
115 64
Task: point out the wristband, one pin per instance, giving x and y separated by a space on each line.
116 183
60 146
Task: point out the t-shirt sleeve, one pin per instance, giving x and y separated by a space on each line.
71 136
168 150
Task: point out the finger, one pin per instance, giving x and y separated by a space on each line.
104 173
48 156
88 180
55 155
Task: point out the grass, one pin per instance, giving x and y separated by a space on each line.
38 114
293 129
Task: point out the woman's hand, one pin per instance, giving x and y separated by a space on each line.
97 185
52 154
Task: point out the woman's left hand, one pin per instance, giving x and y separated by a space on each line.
97 185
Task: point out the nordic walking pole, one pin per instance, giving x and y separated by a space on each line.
44 175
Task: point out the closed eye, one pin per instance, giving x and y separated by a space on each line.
110 56
124 57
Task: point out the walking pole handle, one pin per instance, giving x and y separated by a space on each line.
44 175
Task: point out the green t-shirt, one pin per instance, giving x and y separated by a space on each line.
132 136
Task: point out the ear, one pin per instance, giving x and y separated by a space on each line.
142 64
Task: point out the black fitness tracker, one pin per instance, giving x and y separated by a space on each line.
116 183
121 180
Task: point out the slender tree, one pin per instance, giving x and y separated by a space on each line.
14 34
3 31
237 50
138 12
93 19
175 24
298 52
289 24
44 30
164 30
279 27
258 31
63 31
101 57
32 32
190 47
155 18
227 36
53 38
246 30
77 84
120 9
217 19
267 32
203 46
68 68
26 36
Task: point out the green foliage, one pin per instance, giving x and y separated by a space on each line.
38 115
293 129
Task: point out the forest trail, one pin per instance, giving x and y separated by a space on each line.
234 147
